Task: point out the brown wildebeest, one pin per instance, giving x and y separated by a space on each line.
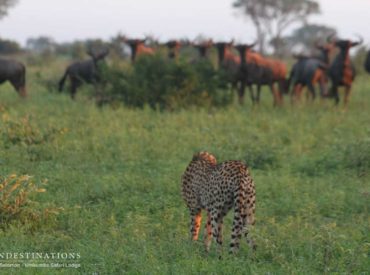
341 71
228 62
138 48
258 70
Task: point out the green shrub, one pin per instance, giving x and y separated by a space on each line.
23 131
16 204
166 85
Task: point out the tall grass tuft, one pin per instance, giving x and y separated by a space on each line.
16 203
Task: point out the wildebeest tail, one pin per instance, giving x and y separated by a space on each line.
61 82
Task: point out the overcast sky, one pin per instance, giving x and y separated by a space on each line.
67 20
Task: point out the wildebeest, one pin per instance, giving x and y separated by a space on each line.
367 62
258 70
228 62
14 72
83 71
138 48
203 48
310 70
173 48
341 71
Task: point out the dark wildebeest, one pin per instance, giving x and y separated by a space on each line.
228 62
367 62
83 71
138 48
203 48
173 48
258 70
310 70
341 71
14 72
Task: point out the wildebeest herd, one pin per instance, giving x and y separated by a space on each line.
244 67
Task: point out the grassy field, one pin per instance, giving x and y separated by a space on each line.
113 184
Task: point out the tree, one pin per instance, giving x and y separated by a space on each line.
273 17
5 5
304 37
41 44
9 47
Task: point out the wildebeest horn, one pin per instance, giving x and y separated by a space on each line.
360 41
330 38
251 45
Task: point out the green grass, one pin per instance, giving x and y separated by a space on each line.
115 175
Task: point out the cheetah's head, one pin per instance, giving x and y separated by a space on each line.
205 156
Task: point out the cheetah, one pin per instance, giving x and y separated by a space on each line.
217 188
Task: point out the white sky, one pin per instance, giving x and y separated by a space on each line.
67 20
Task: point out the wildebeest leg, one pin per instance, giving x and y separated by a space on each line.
281 87
62 80
297 88
347 94
311 88
258 93
75 83
274 94
251 93
334 93
241 92
323 88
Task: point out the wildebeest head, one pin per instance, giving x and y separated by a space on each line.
243 50
173 47
203 47
325 50
345 44
97 55
222 47
138 47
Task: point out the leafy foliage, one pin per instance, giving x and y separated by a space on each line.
167 85
5 5
16 204
24 132
272 17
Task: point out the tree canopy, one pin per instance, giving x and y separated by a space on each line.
5 5
272 17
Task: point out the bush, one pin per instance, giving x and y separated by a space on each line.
24 132
166 85
15 202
